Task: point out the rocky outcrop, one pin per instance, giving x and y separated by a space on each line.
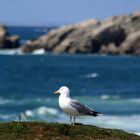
7 41
115 35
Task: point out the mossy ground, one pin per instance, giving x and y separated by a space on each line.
56 131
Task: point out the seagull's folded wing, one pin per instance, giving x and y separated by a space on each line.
83 109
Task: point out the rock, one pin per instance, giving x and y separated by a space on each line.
7 41
115 35
110 49
3 31
131 44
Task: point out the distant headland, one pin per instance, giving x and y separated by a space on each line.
118 35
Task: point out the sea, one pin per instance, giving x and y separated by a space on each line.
108 84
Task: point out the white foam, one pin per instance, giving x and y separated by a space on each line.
19 52
6 116
90 75
5 101
10 51
127 123
39 51
29 113
135 100
39 112
106 97
137 133
46 110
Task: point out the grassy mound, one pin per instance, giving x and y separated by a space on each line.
56 131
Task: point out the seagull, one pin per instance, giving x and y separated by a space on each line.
71 106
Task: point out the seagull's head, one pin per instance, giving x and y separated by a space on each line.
63 91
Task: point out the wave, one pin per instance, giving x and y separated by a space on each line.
40 112
53 114
119 98
7 116
23 101
101 100
90 75
137 133
127 123
19 52
5 101
106 121
39 51
135 100
10 52
7 52
107 97
43 110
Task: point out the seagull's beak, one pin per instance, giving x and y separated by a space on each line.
56 92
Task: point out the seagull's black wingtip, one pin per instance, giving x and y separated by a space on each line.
94 113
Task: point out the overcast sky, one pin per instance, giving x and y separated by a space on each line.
54 12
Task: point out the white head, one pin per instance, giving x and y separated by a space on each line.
63 91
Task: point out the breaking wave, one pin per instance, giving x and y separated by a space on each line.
6 117
19 52
128 123
42 109
10 52
107 97
107 121
39 52
41 113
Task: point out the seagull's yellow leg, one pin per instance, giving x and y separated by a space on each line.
74 120
70 120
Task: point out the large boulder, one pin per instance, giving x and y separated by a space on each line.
7 41
115 35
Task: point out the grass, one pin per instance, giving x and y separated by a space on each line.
57 131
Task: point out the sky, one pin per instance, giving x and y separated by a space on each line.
56 12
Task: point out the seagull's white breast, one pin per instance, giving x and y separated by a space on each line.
64 103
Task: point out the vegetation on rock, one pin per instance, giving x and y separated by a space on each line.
56 131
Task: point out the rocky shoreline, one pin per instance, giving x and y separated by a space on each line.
116 35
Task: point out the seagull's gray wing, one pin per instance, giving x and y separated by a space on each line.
83 109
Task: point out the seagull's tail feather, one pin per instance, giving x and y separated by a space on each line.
94 113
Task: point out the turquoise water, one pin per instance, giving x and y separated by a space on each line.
109 84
